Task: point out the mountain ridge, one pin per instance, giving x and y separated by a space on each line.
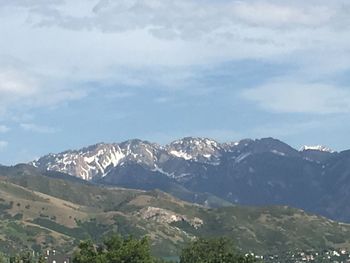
263 171
199 149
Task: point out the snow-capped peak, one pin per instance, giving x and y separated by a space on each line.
97 160
320 148
85 163
198 149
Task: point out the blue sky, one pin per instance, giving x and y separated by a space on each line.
74 73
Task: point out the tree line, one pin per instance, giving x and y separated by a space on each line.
117 249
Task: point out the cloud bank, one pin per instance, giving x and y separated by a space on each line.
21 90
258 60
163 43
300 98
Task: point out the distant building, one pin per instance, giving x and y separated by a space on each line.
53 257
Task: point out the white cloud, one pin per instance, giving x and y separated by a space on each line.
21 90
37 128
90 40
313 98
183 18
14 87
13 83
184 31
279 14
3 145
4 129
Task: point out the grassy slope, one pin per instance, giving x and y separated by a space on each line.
41 212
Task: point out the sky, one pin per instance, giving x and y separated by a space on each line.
78 72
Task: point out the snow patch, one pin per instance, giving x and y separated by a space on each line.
241 157
320 148
181 154
278 153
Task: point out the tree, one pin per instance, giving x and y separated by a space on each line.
15 259
213 251
23 257
128 250
115 249
87 253
2 258
41 259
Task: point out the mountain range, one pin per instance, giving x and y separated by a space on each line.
248 172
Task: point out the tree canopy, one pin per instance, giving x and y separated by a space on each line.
213 251
115 249
130 250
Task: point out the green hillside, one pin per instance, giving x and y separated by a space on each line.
42 212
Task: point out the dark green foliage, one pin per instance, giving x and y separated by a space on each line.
75 232
124 227
115 249
18 216
128 250
94 229
87 253
213 251
24 257
5 206
41 259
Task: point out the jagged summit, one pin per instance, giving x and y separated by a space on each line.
195 148
174 160
181 160
98 160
